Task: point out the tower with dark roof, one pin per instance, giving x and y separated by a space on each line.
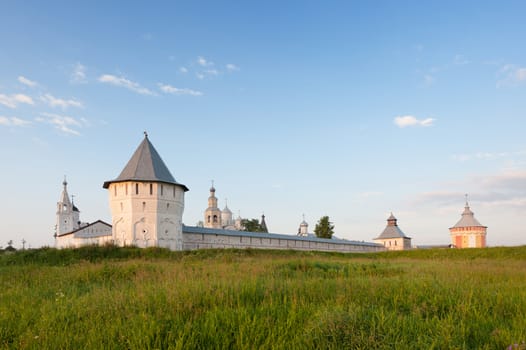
146 202
392 236
468 232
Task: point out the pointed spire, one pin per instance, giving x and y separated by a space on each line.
263 224
391 220
64 197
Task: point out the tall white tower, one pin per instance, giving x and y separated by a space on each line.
146 202
67 213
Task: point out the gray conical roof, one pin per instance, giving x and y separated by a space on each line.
468 219
146 165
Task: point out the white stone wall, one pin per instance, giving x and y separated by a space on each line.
223 239
98 233
399 243
147 214
232 240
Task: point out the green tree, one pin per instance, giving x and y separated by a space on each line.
324 228
251 225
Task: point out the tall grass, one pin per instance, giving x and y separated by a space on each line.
128 298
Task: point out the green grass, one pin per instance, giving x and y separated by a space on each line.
129 298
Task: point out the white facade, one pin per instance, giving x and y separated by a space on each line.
97 233
67 214
147 214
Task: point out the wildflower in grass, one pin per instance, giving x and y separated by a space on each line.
59 295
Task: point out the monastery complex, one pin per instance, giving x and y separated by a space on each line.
147 206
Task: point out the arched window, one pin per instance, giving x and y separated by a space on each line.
136 188
215 218
208 219
151 189
162 189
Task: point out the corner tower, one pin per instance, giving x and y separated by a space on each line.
146 202
468 232
392 237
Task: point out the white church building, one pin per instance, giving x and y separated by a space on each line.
147 206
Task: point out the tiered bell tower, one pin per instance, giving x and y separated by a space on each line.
212 213
67 213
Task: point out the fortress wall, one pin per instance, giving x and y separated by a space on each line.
201 238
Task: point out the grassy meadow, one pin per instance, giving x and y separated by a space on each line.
128 298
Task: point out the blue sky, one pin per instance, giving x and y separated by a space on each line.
351 109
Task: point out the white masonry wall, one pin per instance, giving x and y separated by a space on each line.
199 238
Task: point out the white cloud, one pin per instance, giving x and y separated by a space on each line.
125 83
207 73
183 70
79 74
204 62
511 75
58 102
65 124
409 120
508 187
178 91
13 121
27 82
13 100
147 36
232 67
429 79
463 157
460 60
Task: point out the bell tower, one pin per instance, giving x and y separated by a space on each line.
212 213
67 213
